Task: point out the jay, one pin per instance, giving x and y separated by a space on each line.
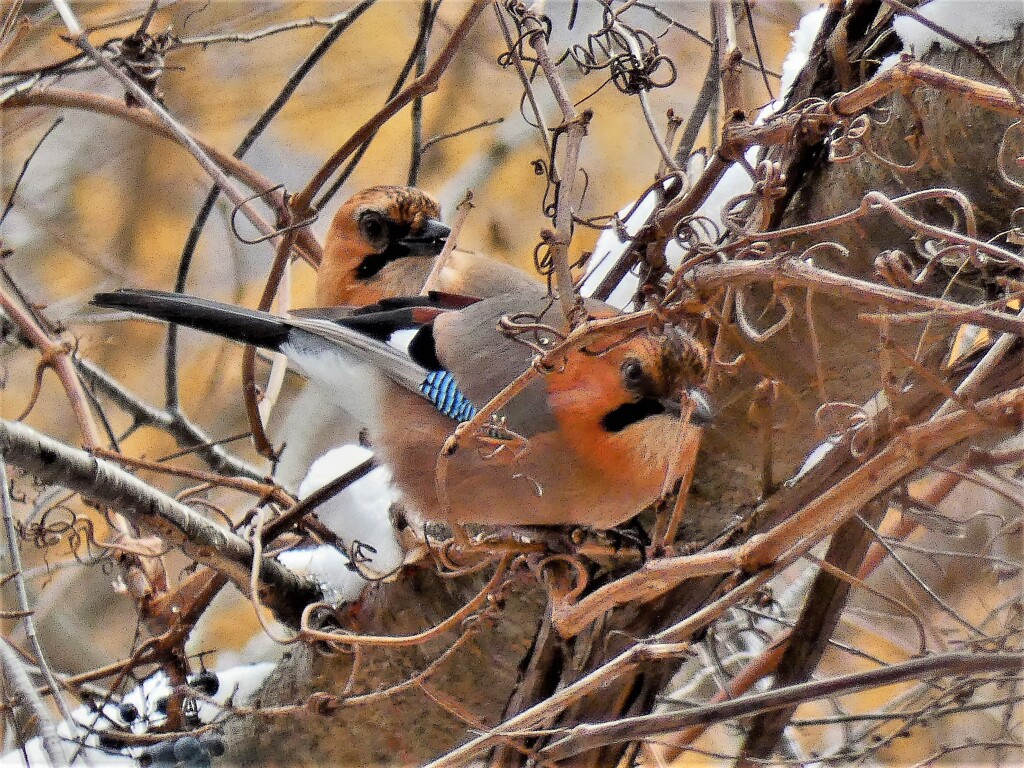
587 443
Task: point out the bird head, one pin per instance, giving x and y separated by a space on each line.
620 400
382 242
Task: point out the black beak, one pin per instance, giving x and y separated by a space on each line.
429 240
702 415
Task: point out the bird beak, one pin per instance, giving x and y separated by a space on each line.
429 240
702 413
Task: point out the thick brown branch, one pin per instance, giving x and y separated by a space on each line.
206 542
811 635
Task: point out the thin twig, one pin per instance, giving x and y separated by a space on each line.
14 552
416 116
292 516
340 24
461 214
412 60
17 677
65 98
183 136
575 128
263 491
251 37
24 167
421 86
784 272
584 737
460 132
513 52
186 434
58 356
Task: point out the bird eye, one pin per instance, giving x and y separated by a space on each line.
632 373
372 226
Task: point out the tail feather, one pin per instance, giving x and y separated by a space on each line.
245 325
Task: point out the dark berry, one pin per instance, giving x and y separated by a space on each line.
160 755
206 682
110 742
188 748
214 744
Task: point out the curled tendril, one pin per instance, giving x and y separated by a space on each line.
898 269
543 262
769 184
360 560
769 180
527 328
697 231
954 258
617 341
851 420
631 56
519 12
1016 233
60 524
736 215
1004 173
747 326
142 55
826 248
325 617
850 138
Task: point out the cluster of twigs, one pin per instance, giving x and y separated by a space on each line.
748 279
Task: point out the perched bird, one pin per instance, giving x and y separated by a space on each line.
383 241
588 443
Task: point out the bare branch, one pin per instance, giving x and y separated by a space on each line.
584 737
199 538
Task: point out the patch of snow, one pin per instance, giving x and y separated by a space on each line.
990 22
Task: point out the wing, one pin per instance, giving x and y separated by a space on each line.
483 360
328 350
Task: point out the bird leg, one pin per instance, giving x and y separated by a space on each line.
630 535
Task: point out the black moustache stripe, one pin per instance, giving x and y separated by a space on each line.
631 413
375 262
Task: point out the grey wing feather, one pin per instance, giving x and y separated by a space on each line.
484 361
394 363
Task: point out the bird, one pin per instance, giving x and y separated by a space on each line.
587 443
382 243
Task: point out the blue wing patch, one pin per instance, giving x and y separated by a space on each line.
441 390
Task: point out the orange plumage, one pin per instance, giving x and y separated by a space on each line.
371 249
590 442
383 241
